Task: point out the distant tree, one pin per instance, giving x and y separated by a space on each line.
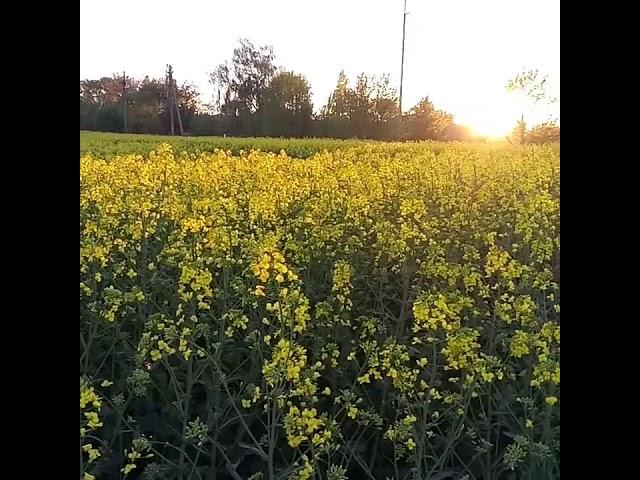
370 110
241 85
385 110
369 107
336 114
287 106
361 107
339 99
335 126
208 124
104 91
385 100
147 107
255 98
518 135
424 122
109 118
547 132
533 87
459 133
88 112
95 95
101 102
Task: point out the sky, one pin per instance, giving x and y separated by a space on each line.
459 53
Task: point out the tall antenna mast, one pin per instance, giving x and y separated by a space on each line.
404 24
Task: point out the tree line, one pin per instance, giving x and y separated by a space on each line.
254 97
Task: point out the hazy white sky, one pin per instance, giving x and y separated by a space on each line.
458 52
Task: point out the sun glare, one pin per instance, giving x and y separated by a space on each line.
497 118
492 128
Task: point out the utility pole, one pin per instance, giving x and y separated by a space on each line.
404 24
169 82
172 100
124 100
175 99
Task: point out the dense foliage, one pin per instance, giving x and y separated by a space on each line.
256 98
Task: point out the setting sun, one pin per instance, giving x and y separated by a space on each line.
493 128
499 115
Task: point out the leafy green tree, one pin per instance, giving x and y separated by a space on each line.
424 122
242 84
547 132
339 99
147 107
109 118
386 115
519 133
533 87
287 106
